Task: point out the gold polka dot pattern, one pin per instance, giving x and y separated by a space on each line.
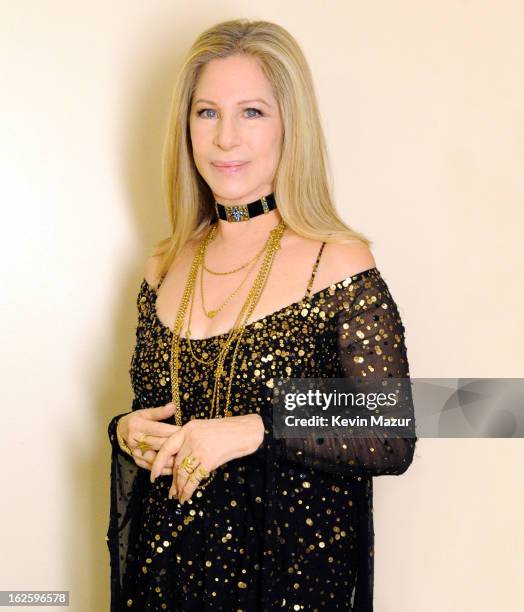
289 527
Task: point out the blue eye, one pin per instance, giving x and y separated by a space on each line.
204 110
200 113
256 111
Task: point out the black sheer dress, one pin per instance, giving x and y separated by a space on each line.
289 527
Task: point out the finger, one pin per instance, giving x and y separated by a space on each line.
138 456
193 482
169 448
190 487
160 412
180 475
143 464
155 428
154 442
181 478
150 455
173 491
148 458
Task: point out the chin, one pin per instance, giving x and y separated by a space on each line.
231 192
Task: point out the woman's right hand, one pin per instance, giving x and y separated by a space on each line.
135 424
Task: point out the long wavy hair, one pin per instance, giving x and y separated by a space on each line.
301 185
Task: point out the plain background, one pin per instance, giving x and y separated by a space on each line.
422 105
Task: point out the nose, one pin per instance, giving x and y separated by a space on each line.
226 134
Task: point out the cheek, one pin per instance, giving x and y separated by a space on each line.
197 136
272 145
200 153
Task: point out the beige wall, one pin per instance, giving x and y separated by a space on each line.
422 107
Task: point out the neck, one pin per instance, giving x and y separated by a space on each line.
248 233
244 234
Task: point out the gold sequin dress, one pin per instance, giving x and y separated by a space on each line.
289 527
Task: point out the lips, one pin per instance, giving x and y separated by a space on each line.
230 168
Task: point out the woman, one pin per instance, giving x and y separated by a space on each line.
209 510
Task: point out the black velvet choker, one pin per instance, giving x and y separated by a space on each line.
244 212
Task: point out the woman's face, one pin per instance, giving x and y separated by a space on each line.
235 118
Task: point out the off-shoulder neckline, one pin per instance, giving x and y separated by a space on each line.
313 297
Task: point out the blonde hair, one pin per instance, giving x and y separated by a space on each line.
301 187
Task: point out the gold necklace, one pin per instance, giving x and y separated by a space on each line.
212 313
257 255
217 339
220 341
236 332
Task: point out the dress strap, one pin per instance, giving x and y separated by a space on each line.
310 284
161 280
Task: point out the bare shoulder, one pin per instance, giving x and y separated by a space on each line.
152 269
342 260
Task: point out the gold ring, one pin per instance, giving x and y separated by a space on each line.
142 444
187 464
202 472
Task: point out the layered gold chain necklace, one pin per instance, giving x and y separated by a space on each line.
212 313
235 334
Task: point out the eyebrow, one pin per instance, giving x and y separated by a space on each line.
241 101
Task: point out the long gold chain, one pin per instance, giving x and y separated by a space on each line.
218 339
236 332
246 311
259 287
212 313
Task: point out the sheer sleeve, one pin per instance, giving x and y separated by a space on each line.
127 489
370 342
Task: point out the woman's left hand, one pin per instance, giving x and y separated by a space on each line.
213 442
